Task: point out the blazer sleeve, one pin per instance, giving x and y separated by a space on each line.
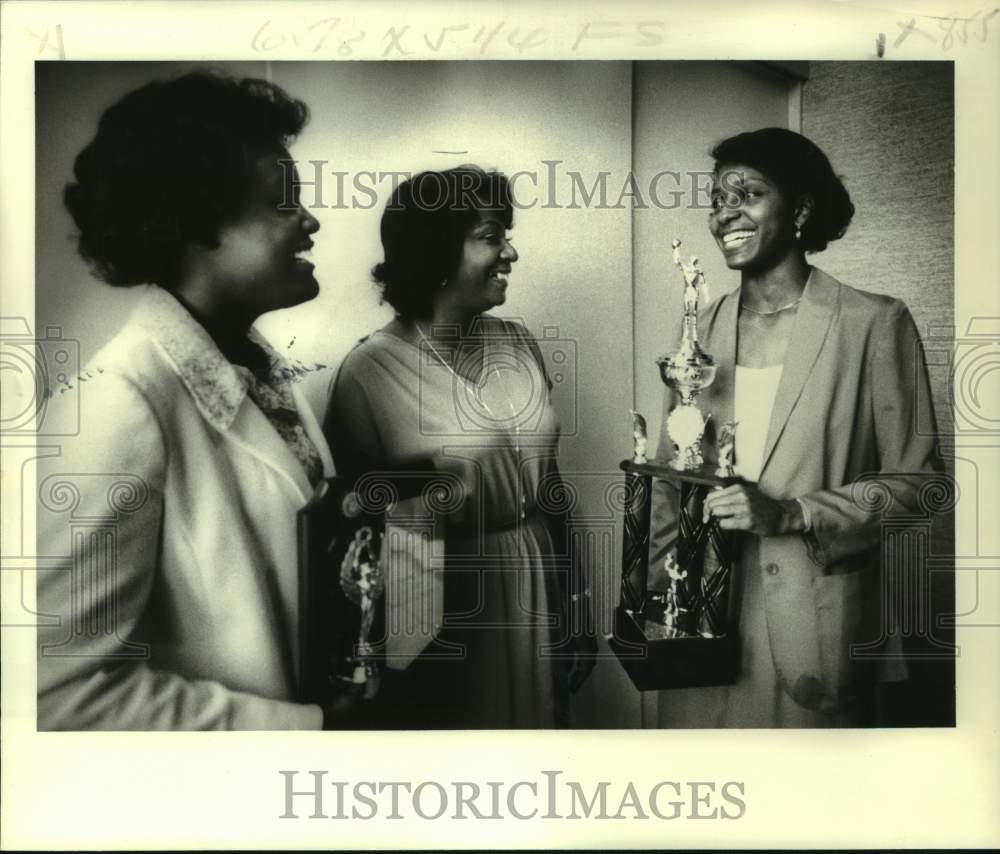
104 495
847 520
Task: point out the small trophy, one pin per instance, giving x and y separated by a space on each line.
688 371
362 581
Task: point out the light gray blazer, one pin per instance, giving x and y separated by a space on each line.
853 435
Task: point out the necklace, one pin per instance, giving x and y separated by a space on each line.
487 407
744 307
478 389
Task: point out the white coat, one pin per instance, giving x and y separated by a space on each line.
170 526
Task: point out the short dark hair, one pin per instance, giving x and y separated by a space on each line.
423 229
171 163
799 167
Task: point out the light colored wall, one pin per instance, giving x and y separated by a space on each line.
388 117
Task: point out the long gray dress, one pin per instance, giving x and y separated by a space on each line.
395 403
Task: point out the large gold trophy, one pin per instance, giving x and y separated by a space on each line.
685 635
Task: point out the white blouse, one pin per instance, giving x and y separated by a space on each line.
753 401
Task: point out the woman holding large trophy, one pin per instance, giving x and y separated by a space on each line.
828 390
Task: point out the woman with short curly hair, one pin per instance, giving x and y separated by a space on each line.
183 192
827 386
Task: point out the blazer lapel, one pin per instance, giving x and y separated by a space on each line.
217 388
253 433
812 323
314 431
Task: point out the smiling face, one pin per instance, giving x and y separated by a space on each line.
752 220
479 283
259 264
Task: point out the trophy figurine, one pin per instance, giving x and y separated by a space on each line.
639 438
688 371
673 612
362 581
727 450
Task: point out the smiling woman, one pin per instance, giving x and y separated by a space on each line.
828 388
190 432
447 382
480 280
258 265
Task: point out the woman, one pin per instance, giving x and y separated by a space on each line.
447 382
179 610
828 388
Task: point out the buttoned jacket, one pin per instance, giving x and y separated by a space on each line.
852 435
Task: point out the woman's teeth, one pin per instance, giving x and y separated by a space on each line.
499 278
736 238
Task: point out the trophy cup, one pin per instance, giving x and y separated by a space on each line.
688 371
685 635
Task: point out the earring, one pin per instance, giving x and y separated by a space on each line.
444 283
798 233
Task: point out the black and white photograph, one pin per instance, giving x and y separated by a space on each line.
434 319
407 403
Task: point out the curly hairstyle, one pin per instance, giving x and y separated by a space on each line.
171 163
423 230
799 167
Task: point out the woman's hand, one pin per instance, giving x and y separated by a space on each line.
743 507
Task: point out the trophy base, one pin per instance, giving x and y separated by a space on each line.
657 657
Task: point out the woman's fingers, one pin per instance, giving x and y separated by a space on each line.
729 507
736 508
708 503
735 523
745 508
725 502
